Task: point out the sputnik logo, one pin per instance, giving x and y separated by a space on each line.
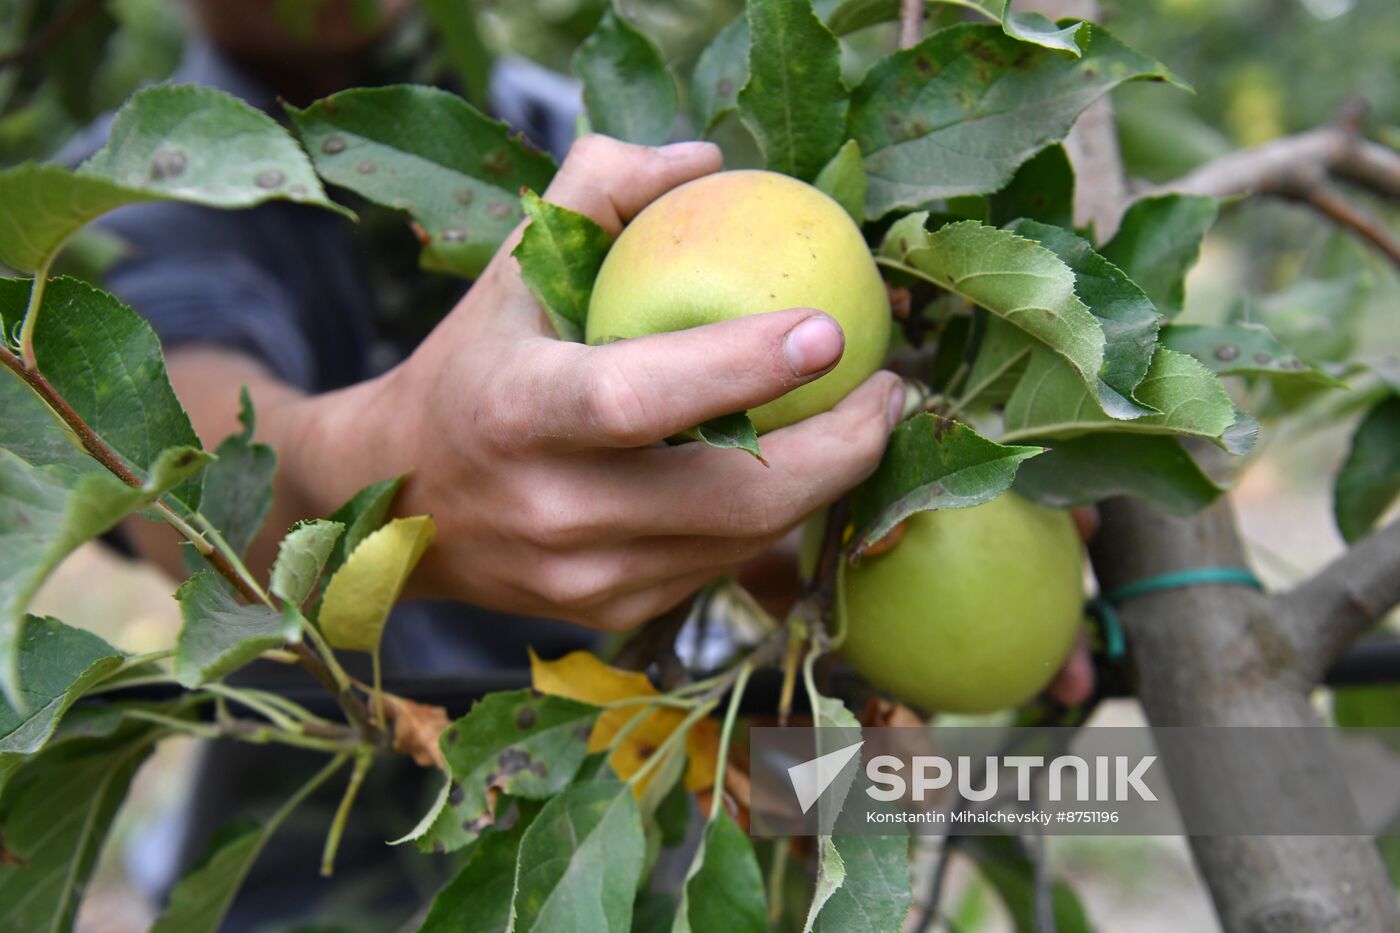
811 778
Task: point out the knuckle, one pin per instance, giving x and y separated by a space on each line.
616 409
564 584
587 149
549 519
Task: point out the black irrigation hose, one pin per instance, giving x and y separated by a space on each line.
1375 662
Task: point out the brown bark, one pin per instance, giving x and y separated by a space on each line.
1223 655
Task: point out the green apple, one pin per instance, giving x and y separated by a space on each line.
973 610
739 243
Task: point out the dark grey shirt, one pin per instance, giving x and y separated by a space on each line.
286 284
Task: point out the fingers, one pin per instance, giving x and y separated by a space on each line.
629 611
611 181
1075 681
697 490
636 392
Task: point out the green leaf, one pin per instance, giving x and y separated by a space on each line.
1369 481
359 598
1375 707
430 153
301 556
1038 29
843 178
1084 470
218 635
46 512
1016 279
560 253
627 89
580 862
875 893
237 492
720 72
59 663
1243 350
57 809
794 102
527 746
1042 189
168 143
1010 872
203 896
931 463
200 901
1319 316
723 890
1157 244
456 26
831 874
478 897
673 815
1051 402
1125 313
106 362
361 515
957 113
728 432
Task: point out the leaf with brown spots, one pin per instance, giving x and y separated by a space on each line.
957 113
516 742
456 171
167 143
930 463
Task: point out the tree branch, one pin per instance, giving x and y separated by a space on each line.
1323 616
1215 655
911 23
1341 210
1300 168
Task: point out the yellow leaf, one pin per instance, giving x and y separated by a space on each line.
364 590
582 677
702 745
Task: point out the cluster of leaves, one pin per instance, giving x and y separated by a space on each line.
1055 366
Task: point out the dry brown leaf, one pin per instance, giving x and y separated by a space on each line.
417 727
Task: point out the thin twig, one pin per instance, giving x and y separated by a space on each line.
911 23
92 444
363 760
99 450
726 734
1341 210
1300 167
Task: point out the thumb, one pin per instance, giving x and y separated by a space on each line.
611 181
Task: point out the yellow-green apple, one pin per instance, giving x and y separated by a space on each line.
740 243
973 610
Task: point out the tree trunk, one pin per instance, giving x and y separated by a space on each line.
1213 655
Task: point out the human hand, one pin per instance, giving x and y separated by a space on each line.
542 461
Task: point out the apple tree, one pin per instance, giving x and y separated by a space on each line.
1036 305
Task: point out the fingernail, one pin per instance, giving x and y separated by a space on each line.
684 150
895 409
814 345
